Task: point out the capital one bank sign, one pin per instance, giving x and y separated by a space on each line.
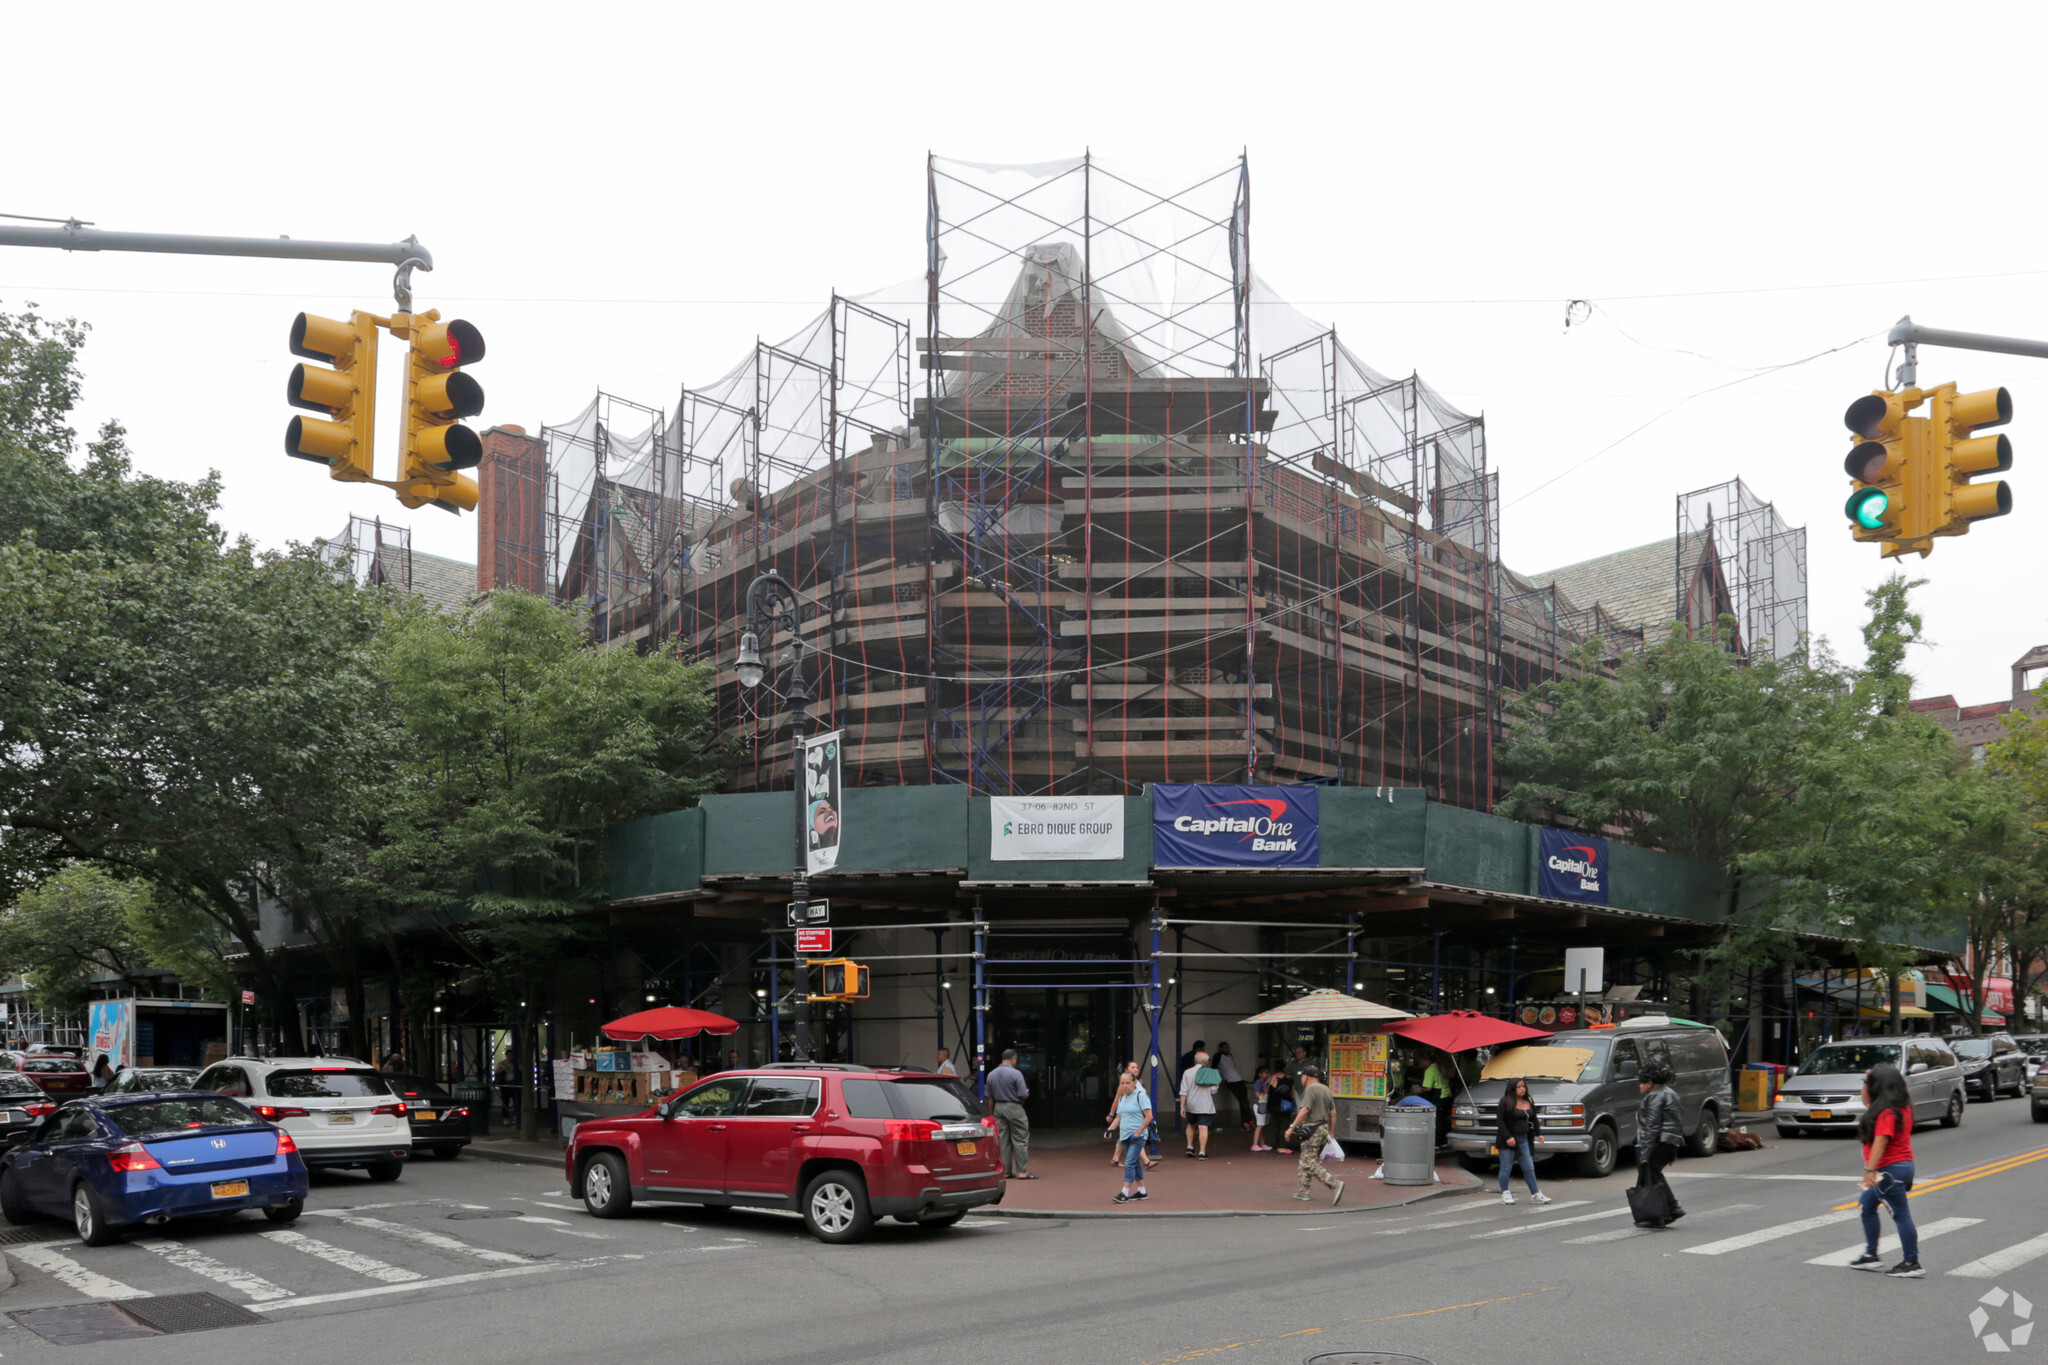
1200 824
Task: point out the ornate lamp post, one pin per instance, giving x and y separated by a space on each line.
763 616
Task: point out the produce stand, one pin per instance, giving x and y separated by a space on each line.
616 1082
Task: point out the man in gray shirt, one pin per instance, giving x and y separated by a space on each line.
1198 1103
1006 1095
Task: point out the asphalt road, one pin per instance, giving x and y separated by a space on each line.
408 1272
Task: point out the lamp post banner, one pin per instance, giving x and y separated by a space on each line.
821 803
1024 829
1571 866
1198 824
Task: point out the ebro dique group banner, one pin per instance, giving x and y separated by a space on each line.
1197 824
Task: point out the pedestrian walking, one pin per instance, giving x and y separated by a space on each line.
1280 1100
1132 1116
1198 1086
1262 1089
1887 1132
945 1066
1312 1123
1006 1095
1515 1136
1659 1135
1233 1081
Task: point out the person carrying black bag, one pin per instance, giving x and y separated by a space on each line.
1659 1135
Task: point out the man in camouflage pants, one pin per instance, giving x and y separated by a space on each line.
1310 1129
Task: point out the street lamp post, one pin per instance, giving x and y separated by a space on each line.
762 619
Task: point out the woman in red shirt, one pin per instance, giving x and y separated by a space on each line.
1887 1127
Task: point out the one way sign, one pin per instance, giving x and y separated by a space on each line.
805 914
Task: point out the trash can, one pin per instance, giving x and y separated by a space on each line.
1408 1146
478 1097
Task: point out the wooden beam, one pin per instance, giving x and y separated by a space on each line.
1500 912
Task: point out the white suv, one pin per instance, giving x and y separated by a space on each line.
338 1109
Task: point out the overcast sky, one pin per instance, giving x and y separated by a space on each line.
627 198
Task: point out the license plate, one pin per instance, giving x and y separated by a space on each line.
230 1189
341 1118
424 1115
964 1148
12 1116
1821 1114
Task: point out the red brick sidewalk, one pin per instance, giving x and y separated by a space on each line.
1234 1180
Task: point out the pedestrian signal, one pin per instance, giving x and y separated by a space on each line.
841 978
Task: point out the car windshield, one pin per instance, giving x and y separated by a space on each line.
2034 1047
941 1101
416 1088
170 1116
1850 1059
1972 1047
325 1085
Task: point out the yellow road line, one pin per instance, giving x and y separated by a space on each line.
1963 1177
1202 1351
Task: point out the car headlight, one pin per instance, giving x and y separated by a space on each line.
1464 1111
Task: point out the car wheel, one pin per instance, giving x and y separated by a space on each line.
607 1192
1706 1140
1598 1161
1787 1131
447 1153
935 1221
835 1207
286 1212
384 1172
1954 1115
89 1220
1478 1165
11 1207
2040 1116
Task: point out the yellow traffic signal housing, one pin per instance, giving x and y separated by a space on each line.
437 396
1885 465
841 978
1960 455
345 441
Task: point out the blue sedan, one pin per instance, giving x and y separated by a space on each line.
120 1161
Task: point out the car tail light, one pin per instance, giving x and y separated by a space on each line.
988 1121
40 1109
133 1157
271 1113
909 1130
394 1109
285 1145
454 1113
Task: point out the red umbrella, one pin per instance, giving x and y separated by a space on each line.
670 1021
1461 1031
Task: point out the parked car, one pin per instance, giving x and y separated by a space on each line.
1825 1092
2035 1046
113 1164
1586 1092
440 1122
340 1111
143 1080
1992 1065
58 1050
2040 1089
54 1072
840 1144
23 1105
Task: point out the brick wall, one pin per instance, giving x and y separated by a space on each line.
511 523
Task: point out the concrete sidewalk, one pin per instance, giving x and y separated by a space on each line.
545 1152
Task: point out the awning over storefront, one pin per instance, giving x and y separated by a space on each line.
1949 1002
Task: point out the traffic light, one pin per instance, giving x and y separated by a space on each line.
841 978
1960 456
1894 498
347 393
437 396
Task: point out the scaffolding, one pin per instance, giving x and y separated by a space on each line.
1727 533
372 551
1138 521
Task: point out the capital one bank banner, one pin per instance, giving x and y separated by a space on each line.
1199 824
1571 867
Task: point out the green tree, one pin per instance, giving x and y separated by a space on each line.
78 925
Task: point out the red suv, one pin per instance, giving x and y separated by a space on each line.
840 1144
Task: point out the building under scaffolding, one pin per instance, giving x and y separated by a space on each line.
1091 507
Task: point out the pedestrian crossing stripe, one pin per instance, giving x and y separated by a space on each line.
2010 1258
1891 1244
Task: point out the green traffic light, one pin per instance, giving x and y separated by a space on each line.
1867 507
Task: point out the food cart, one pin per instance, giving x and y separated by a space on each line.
609 1081
1357 1061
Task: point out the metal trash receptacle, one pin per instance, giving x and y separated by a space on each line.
1408 1146
478 1097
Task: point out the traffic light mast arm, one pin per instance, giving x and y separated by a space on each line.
73 235
1912 335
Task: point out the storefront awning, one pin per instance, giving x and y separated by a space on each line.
1946 1000
1906 1011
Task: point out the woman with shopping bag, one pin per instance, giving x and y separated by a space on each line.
1659 1137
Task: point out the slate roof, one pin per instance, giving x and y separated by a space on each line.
447 584
1638 587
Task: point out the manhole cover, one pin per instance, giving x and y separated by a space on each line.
1364 1358
188 1312
488 1213
79 1323
17 1236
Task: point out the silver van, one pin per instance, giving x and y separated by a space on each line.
1825 1092
1590 1113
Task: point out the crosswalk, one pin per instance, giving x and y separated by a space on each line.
332 1256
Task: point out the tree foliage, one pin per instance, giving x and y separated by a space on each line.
78 925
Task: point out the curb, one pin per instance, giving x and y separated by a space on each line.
1435 1192
513 1158
6 1271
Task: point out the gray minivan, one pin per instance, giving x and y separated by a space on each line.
1591 1114
1825 1093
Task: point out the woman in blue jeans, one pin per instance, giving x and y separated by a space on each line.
1133 1114
1887 1131
1515 1134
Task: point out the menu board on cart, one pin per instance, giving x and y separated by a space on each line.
1358 1065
